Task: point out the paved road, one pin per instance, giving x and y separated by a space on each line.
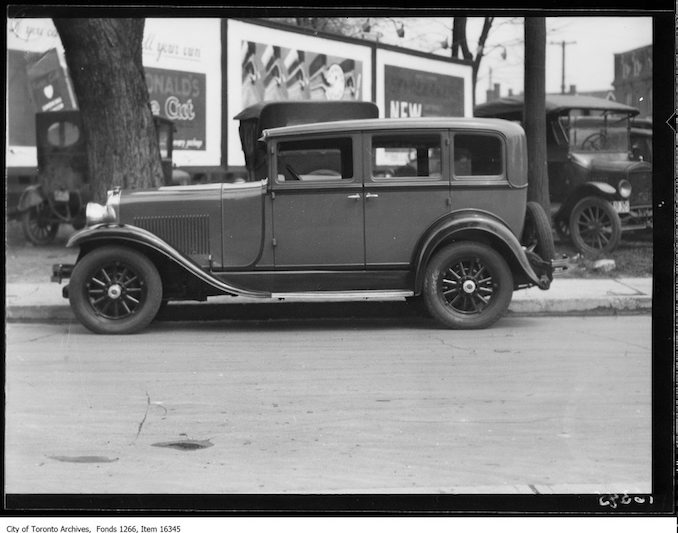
549 405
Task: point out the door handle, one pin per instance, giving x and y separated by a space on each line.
355 196
371 195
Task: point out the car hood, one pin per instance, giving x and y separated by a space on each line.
609 163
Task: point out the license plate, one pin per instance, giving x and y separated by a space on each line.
621 206
61 196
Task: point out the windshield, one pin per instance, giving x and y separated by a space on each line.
602 132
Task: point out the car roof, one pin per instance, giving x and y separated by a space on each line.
279 113
554 103
392 124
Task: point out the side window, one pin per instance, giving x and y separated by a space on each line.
478 155
315 160
406 156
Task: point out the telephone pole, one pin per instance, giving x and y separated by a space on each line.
534 114
563 44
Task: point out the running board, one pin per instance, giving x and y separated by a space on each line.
342 295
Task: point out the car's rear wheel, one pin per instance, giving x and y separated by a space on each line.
537 233
115 290
595 227
467 286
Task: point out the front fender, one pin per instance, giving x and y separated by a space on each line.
474 225
124 234
590 188
30 197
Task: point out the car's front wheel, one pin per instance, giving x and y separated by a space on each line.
468 285
595 227
37 225
115 290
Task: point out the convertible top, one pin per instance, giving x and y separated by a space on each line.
511 107
274 114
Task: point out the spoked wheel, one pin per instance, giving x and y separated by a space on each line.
115 290
37 226
537 233
595 227
467 286
562 227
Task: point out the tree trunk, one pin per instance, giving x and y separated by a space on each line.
534 114
104 60
460 44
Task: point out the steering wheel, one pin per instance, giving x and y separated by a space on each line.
324 172
596 141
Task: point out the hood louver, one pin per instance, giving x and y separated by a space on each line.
189 234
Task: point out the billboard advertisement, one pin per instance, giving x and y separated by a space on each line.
417 93
270 64
182 63
279 73
37 80
409 85
180 97
182 60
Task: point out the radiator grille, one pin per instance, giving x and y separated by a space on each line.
187 233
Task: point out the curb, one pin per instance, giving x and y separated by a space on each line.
248 311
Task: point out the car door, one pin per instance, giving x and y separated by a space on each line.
406 190
317 203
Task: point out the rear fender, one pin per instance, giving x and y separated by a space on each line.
478 226
104 234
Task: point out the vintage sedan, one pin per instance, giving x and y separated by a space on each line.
451 224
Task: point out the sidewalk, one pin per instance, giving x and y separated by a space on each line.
573 296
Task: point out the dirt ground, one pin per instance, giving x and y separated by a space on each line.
26 263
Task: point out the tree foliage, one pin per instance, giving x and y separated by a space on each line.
104 58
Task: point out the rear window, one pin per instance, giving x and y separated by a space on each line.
478 155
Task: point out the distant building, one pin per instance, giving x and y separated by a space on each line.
633 79
495 93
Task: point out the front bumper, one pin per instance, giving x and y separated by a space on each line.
61 271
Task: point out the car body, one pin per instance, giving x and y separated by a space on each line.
599 184
324 222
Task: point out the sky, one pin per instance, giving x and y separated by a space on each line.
589 60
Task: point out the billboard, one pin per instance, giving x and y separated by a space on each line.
180 97
182 60
182 64
410 85
272 64
37 80
418 93
274 73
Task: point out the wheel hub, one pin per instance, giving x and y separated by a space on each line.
114 291
469 286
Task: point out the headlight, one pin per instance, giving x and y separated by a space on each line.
99 214
624 188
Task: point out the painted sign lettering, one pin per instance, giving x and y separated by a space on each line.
180 97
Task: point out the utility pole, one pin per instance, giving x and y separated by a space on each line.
534 114
563 44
